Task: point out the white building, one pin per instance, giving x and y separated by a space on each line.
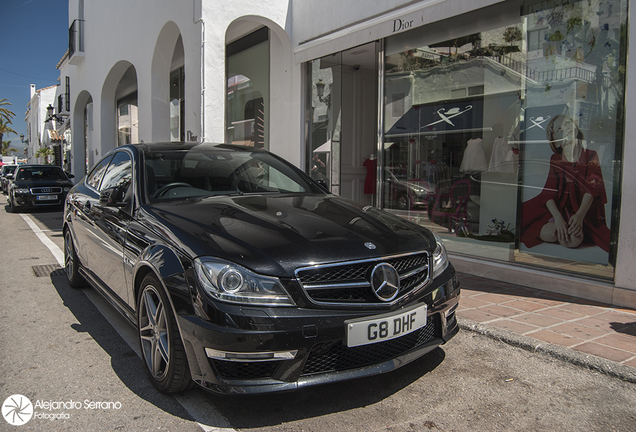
436 110
40 133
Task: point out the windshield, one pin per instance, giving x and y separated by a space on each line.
212 171
41 173
8 169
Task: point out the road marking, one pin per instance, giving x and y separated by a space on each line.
56 251
202 411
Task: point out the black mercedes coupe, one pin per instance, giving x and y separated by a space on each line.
244 275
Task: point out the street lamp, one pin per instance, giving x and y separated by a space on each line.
49 113
51 116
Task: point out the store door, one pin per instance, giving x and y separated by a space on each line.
343 122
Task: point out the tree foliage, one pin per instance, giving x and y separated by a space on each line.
6 148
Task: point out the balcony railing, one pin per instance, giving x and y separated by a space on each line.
76 37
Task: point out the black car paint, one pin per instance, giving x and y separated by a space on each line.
18 201
164 238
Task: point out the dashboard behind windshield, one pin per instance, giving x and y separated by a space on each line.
181 174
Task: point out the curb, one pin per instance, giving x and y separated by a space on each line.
607 367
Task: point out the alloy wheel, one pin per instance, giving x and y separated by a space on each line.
153 332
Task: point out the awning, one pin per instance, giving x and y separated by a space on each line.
440 118
324 148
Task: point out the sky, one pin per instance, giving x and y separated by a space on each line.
34 37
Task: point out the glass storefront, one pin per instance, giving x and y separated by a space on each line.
127 120
177 105
504 132
247 103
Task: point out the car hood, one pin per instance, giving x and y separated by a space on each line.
42 183
277 234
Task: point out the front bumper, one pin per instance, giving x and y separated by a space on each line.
29 200
258 350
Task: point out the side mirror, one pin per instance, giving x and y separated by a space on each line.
9 175
69 175
113 197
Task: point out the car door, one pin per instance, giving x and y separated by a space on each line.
111 223
82 199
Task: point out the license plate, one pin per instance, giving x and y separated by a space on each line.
46 197
380 328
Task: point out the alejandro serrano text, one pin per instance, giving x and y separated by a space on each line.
71 404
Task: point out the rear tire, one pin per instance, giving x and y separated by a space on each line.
71 263
161 347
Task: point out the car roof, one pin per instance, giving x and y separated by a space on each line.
38 166
186 145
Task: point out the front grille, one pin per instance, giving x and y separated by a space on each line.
348 284
336 356
245 370
46 190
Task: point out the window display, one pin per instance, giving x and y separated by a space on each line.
511 129
247 103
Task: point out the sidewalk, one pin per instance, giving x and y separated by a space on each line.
581 326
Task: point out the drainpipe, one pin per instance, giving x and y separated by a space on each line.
202 113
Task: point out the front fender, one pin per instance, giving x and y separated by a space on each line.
169 268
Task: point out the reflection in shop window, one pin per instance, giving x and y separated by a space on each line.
248 90
127 120
477 156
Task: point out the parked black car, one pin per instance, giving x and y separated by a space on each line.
242 274
5 175
38 186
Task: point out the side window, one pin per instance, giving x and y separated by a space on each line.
119 173
95 177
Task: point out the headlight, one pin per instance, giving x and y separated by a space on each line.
235 284
23 191
66 189
440 258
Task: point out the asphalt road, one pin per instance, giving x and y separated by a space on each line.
70 354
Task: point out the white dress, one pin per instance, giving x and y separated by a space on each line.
474 159
502 158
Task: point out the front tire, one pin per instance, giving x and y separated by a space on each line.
71 263
12 208
161 346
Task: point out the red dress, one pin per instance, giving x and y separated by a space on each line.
566 184
369 182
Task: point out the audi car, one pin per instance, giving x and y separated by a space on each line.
243 275
38 186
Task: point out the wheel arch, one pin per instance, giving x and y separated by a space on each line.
169 270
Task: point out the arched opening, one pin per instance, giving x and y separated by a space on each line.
119 114
168 77
81 155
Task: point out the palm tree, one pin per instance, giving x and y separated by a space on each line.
6 148
44 152
6 112
5 127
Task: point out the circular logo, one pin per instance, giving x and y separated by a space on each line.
17 410
385 282
369 245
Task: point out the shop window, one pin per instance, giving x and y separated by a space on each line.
248 90
511 140
127 120
177 105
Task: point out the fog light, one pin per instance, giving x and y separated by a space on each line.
250 356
